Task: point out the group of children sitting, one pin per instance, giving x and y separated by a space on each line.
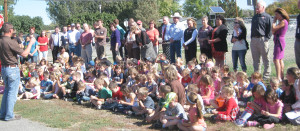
167 94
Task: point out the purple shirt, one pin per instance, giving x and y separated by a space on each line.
86 38
115 38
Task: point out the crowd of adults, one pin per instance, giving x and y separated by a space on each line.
141 43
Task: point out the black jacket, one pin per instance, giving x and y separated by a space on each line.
221 33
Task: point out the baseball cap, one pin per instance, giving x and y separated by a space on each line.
139 22
72 24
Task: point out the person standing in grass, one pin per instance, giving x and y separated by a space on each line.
9 49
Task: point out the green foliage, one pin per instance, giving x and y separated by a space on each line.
168 7
90 18
23 23
290 6
144 13
197 8
229 8
10 4
121 9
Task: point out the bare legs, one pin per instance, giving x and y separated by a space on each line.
279 66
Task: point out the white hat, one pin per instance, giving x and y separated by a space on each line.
176 14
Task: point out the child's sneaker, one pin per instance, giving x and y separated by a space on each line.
239 122
252 123
268 126
209 110
99 107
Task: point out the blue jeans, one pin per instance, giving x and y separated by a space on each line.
175 47
11 78
71 50
84 98
32 59
239 54
78 49
49 96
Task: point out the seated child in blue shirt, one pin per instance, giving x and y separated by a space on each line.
146 104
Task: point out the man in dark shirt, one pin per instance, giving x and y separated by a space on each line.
297 40
9 49
100 39
260 35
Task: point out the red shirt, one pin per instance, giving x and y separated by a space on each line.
227 108
41 77
152 34
43 40
118 95
185 82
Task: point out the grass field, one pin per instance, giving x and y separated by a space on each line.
70 116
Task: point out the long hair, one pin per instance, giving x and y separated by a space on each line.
194 22
283 13
241 22
192 96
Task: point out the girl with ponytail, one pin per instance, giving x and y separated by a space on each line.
196 120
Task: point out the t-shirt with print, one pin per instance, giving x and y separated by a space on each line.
117 77
101 32
9 49
118 95
104 93
148 103
274 108
177 111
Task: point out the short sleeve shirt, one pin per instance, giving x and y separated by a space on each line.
102 32
273 108
177 111
104 93
118 95
149 103
9 49
43 40
152 34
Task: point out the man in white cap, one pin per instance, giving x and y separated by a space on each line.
176 31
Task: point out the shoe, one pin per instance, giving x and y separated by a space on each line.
115 109
252 123
91 104
241 103
268 126
15 118
239 122
65 99
157 125
131 113
209 110
99 107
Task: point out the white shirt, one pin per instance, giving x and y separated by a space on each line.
240 44
73 36
56 39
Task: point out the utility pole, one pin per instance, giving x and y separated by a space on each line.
5 11
236 11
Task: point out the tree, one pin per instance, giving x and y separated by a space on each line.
168 7
197 8
144 13
23 23
290 6
10 4
229 8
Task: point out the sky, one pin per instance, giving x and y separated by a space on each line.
38 8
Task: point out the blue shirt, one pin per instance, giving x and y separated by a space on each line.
122 32
176 31
33 47
115 38
251 85
168 33
279 92
46 83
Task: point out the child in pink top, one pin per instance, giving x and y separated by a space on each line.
272 114
254 107
196 119
216 78
206 89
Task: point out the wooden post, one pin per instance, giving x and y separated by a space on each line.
236 11
5 11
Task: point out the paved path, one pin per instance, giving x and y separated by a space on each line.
24 125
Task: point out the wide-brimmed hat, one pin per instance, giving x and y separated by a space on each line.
176 14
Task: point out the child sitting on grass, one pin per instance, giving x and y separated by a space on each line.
174 112
103 93
162 103
196 119
129 102
288 99
34 86
206 89
274 82
146 104
46 83
186 79
256 78
117 95
56 90
254 107
271 115
84 92
195 89
230 109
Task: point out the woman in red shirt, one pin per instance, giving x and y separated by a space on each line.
43 43
153 34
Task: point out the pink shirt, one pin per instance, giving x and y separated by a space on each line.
274 108
204 91
217 84
261 102
193 112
